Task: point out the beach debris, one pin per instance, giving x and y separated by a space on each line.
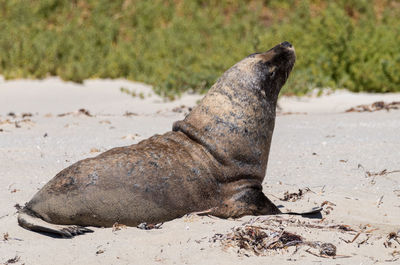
117 227
379 202
81 111
16 121
182 109
376 106
105 122
260 241
12 260
146 226
129 114
393 240
354 238
262 236
380 173
18 206
100 251
279 222
369 174
351 198
130 136
327 203
366 233
26 114
45 135
326 256
368 236
85 112
395 253
6 237
342 228
329 206
327 249
94 150
291 113
257 240
294 196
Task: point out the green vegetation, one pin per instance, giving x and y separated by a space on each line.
182 46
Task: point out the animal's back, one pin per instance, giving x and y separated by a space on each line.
130 185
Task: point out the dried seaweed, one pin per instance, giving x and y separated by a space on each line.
13 260
380 173
327 249
129 114
369 174
294 196
376 106
393 239
182 109
260 241
78 112
117 226
267 235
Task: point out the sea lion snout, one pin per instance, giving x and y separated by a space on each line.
281 56
274 66
286 44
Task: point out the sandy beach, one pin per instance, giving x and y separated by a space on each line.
321 155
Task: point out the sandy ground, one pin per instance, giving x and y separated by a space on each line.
347 162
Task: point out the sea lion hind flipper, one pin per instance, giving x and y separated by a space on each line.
29 221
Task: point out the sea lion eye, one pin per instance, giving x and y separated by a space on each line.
272 71
272 74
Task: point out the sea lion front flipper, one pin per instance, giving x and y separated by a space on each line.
28 220
314 212
246 202
206 212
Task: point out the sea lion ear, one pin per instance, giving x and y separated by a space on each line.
272 74
272 71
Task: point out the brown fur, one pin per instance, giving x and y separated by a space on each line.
213 161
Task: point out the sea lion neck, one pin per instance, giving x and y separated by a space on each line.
235 125
236 119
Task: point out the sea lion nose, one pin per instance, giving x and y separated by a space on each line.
286 44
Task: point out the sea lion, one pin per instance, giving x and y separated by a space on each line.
213 161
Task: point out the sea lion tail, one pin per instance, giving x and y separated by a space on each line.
29 220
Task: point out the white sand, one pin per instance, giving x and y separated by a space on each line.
326 150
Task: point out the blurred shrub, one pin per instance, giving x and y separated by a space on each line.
182 46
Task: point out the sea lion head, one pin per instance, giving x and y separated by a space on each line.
275 66
268 71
